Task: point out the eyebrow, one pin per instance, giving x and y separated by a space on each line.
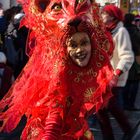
84 38
71 41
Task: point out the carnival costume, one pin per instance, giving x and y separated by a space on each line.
55 94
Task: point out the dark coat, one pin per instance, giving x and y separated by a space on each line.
134 72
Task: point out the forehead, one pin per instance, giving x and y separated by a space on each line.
79 36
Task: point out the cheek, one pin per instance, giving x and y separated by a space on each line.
68 50
102 16
105 19
88 48
72 53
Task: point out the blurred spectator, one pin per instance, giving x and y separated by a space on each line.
15 40
137 21
10 35
122 59
131 87
20 41
3 26
6 76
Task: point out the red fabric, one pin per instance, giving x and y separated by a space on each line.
51 83
6 79
112 25
114 11
30 43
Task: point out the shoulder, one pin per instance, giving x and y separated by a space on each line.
120 29
122 33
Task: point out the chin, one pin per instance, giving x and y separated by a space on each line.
82 64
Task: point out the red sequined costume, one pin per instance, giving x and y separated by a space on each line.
55 94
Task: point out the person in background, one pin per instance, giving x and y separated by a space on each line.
20 40
10 35
3 26
131 87
137 21
6 75
121 60
15 40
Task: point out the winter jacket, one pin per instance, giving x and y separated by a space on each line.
123 56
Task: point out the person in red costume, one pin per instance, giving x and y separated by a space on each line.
68 72
121 60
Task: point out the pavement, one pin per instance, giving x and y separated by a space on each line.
134 118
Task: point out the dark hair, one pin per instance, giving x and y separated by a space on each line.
128 18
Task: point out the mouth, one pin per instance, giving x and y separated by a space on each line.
79 48
81 56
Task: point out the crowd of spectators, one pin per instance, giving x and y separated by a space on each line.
12 45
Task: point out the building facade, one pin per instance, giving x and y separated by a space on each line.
8 3
123 4
103 2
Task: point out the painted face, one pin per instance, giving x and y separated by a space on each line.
106 18
79 48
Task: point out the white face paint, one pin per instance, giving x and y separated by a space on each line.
79 48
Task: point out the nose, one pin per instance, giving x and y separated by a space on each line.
79 50
74 22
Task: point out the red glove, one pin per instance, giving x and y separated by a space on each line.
118 72
115 78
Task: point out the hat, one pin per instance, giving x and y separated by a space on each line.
3 58
137 18
113 11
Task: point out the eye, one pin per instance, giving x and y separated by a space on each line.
74 46
42 4
57 7
84 42
80 1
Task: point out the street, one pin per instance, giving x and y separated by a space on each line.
134 118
